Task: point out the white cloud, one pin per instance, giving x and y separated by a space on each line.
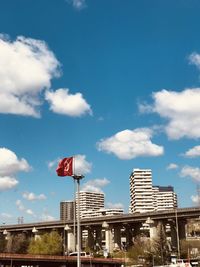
194 59
53 163
20 205
193 152
115 205
192 172
31 196
172 166
181 109
10 164
7 183
81 165
47 217
195 199
26 68
30 212
95 185
129 144
62 102
77 4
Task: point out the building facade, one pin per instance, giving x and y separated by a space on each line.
144 197
101 212
141 192
90 201
67 209
164 198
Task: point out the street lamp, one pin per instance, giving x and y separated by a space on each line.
66 228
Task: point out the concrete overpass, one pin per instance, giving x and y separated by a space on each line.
114 228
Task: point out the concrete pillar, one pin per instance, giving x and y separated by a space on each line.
117 237
173 236
36 234
136 229
70 241
109 235
109 240
97 239
182 229
91 238
128 235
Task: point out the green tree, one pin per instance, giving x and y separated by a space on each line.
20 243
2 243
161 246
138 253
47 244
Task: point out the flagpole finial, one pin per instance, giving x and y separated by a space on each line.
78 177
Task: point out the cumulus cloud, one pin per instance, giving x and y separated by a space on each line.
195 199
7 183
22 208
10 164
47 217
20 205
31 196
51 164
129 144
77 4
172 166
95 185
193 152
27 67
62 102
30 212
194 59
192 172
81 165
180 109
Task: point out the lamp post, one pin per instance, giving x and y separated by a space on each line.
177 234
77 178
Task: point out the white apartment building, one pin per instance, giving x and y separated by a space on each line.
90 201
164 198
101 212
141 192
146 198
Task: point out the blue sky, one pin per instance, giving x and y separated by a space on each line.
115 83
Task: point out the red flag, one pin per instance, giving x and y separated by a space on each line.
65 167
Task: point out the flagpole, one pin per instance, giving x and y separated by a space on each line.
78 178
74 204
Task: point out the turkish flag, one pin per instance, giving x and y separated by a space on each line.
65 167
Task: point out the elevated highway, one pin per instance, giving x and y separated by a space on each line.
181 213
111 232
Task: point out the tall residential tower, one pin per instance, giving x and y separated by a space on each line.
146 198
141 192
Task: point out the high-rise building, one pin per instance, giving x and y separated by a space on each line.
67 210
144 197
90 201
141 193
164 198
